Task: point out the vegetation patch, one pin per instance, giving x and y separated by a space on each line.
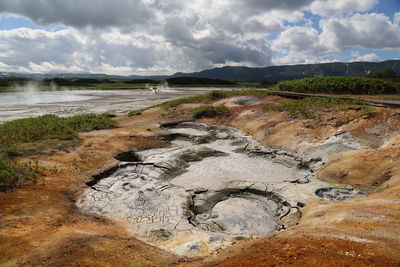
16 133
341 85
210 111
44 127
13 173
308 106
135 112
213 96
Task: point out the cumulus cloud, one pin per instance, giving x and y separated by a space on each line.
297 39
178 35
158 36
80 13
373 31
396 18
356 56
335 7
367 31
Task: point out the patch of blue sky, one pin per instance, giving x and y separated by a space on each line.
273 36
388 7
309 20
348 54
14 22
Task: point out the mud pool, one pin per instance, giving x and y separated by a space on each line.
213 185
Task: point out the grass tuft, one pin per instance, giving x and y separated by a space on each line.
135 112
13 173
307 106
210 111
18 132
213 96
50 127
341 85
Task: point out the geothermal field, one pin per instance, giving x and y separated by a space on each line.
174 185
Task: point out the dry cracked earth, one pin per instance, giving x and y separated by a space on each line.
250 188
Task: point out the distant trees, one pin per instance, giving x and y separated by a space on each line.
383 74
198 81
341 85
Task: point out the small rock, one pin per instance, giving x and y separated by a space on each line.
339 132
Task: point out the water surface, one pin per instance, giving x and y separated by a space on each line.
15 105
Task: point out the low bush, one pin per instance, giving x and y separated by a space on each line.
210 111
135 113
307 106
341 85
50 127
212 96
16 132
198 81
13 173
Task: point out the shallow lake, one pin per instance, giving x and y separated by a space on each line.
15 105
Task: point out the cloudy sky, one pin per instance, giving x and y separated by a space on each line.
149 37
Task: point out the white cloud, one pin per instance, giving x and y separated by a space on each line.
158 36
297 39
396 18
307 45
338 7
356 56
295 58
369 31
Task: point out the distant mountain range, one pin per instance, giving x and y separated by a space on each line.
290 72
247 74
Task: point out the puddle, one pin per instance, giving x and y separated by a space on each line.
214 185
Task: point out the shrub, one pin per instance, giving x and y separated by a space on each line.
135 113
341 85
210 111
198 81
50 127
213 96
88 122
13 173
385 73
110 115
306 107
12 152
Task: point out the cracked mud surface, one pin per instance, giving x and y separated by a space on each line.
214 184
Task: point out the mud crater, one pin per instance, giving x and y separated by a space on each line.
213 185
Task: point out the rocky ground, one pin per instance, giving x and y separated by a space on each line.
70 217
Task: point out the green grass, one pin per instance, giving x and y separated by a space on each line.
368 111
12 152
23 131
210 111
109 114
212 96
395 98
44 127
13 173
135 112
341 85
308 106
